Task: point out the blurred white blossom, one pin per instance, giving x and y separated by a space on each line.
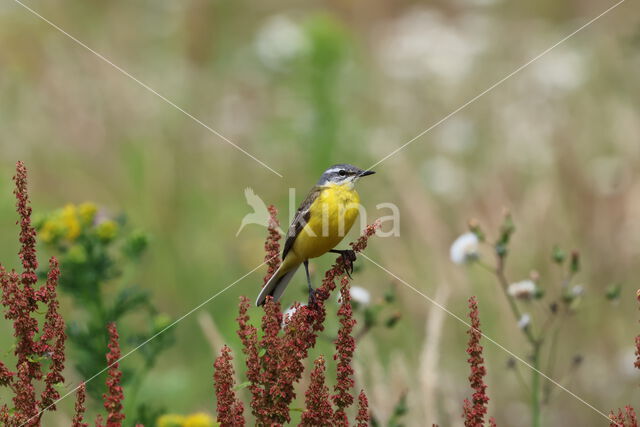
424 41
443 176
465 249
524 321
577 290
560 70
456 135
359 295
278 41
524 289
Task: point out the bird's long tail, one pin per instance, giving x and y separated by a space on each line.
277 283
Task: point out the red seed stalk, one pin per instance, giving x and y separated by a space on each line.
624 419
21 298
363 410
272 244
79 407
318 407
474 411
345 346
114 396
228 406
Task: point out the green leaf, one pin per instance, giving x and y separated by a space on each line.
558 255
242 385
613 291
262 352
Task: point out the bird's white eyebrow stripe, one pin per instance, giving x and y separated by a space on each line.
332 170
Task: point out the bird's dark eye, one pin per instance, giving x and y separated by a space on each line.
342 172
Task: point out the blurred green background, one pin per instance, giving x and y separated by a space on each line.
303 86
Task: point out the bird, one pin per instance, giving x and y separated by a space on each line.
320 223
260 214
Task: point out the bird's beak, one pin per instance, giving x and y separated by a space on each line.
365 173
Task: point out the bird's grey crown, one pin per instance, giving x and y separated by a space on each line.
333 173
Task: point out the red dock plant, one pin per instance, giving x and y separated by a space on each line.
78 418
229 407
628 418
474 411
363 410
317 397
275 356
22 298
114 396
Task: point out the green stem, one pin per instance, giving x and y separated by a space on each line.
535 343
535 387
499 272
132 394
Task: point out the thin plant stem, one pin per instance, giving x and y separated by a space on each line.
535 343
535 386
499 272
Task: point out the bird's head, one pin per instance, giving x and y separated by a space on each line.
342 174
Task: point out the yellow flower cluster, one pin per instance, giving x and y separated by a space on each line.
69 222
199 419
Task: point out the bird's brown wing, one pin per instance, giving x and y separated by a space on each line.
300 220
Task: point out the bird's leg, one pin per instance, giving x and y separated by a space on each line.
312 292
348 257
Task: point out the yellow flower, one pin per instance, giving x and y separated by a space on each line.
170 420
87 212
107 230
200 419
70 221
51 230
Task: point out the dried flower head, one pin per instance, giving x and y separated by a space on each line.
114 396
362 418
475 410
229 407
272 243
21 299
624 419
78 418
318 407
345 346
525 289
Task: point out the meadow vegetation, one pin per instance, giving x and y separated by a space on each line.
140 205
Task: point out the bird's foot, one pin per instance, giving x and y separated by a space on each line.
348 258
312 296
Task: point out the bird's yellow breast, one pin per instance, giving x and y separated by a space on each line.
332 215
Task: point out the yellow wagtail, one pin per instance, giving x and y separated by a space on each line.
320 223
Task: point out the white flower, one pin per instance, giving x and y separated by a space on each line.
465 249
288 314
524 289
359 295
278 41
577 290
524 321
